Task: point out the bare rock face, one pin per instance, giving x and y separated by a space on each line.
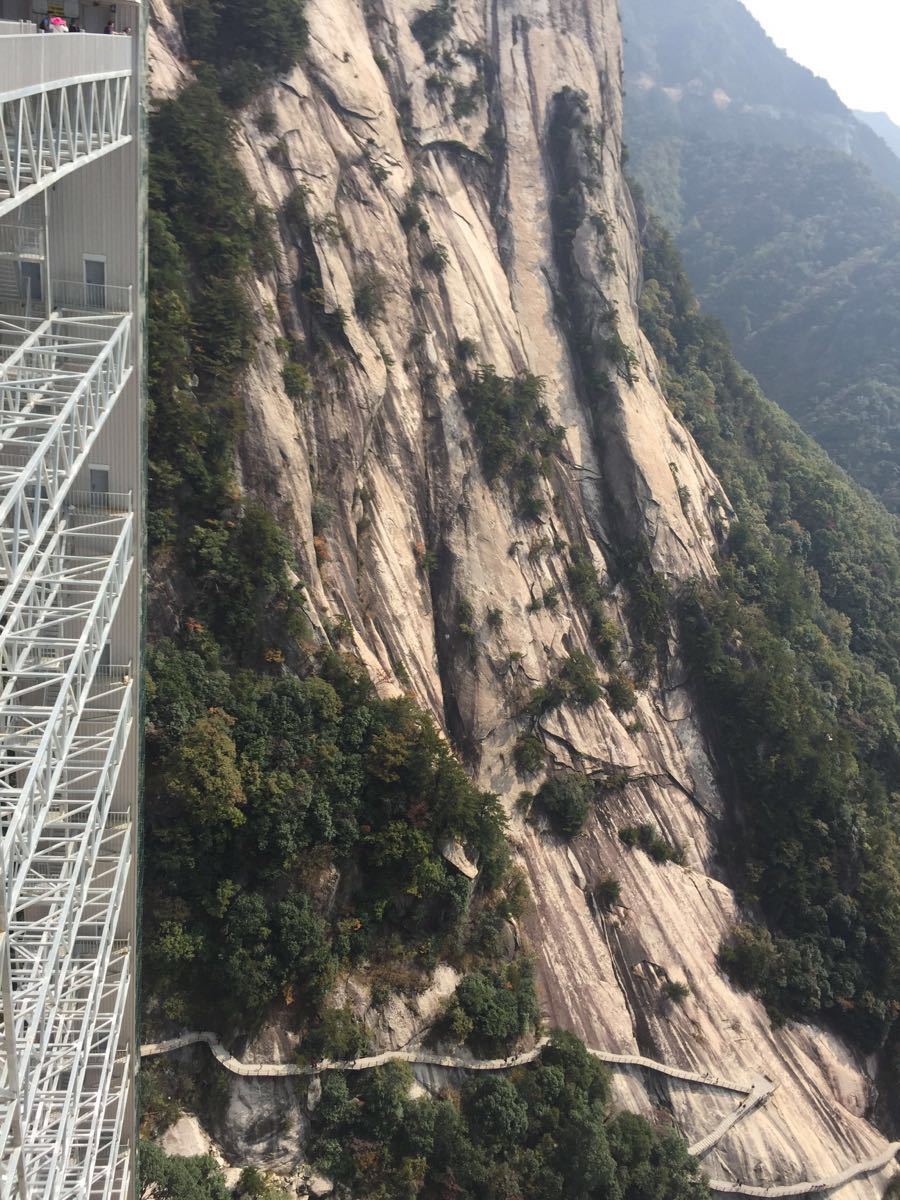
166 53
402 1021
384 442
264 1122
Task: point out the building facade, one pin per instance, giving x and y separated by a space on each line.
72 453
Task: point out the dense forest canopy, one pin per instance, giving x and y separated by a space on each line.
796 655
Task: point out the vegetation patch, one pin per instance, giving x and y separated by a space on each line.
467 97
257 788
492 1009
246 43
607 893
796 659
575 683
645 837
566 802
202 230
296 380
585 584
529 754
621 694
543 1132
432 26
515 437
370 296
676 990
436 259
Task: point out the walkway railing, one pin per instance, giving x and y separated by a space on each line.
22 241
71 297
49 129
755 1093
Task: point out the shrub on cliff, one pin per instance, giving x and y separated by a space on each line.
566 800
430 27
179 1178
529 754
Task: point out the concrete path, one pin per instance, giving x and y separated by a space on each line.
754 1093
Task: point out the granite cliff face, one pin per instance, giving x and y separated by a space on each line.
384 440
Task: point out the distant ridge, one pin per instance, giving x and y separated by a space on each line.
786 207
881 124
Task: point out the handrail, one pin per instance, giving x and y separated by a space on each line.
102 502
56 82
109 298
21 241
50 128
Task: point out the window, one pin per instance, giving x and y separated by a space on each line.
31 281
95 282
99 480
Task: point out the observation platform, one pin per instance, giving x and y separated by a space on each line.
64 102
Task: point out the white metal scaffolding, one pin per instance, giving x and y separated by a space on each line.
69 600
65 717
48 130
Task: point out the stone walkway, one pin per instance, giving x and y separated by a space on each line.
754 1094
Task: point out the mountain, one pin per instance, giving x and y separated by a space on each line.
882 124
700 66
511 654
773 189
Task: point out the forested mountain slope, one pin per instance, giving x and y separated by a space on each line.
471 680
774 192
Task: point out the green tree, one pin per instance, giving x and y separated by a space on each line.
204 782
165 1178
496 1113
566 799
248 968
652 1165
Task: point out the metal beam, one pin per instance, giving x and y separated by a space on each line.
48 130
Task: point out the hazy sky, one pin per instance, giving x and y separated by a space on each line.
854 46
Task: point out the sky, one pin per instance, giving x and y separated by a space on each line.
854 46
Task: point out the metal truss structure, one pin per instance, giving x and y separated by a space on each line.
66 715
69 598
49 130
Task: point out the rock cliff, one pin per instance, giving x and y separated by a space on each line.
383 441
